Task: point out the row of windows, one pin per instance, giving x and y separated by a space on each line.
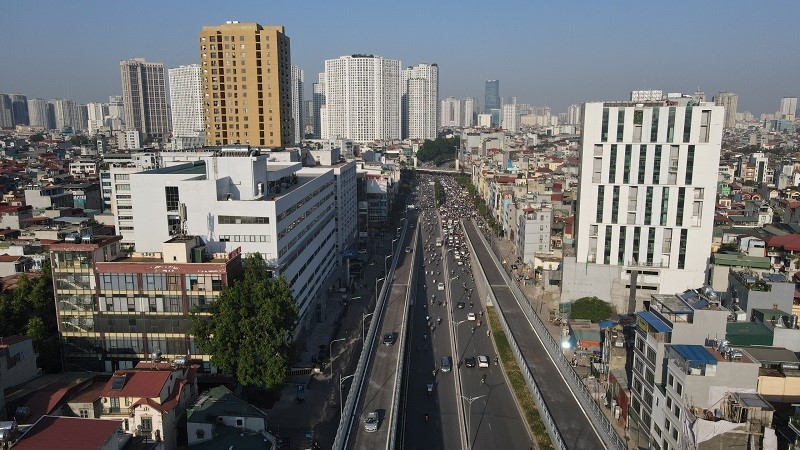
633 216
243 238
634 250
646 158
303 201
638 131
241 220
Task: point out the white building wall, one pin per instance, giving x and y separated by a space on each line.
358 83
420 90
186 101
639 217
297 102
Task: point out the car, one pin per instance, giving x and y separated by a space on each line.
408 249
469 361
471 316
447 364
388 339
483 361
371 422
440 286
362 251
460 305
342 289
461 263
430 388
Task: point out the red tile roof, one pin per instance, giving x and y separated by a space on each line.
790 242
5 257
139 383
68 433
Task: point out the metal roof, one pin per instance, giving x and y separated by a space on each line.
655 322
697 354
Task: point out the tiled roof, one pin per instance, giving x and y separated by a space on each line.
789 242
68 433
138 384
5 257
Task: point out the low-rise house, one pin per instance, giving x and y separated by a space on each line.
219 419
73 433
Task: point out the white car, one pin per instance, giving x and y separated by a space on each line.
471 316
483 361
440 286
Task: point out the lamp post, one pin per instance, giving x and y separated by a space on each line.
330 346
341 380
363 329
376 287
393 241
469 414
455 339
385 260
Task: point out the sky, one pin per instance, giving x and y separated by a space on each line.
552 53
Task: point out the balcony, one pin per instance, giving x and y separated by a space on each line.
126 411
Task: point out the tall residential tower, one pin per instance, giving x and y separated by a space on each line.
419 87
246 79
186 101
144 96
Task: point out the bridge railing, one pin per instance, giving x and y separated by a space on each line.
609 434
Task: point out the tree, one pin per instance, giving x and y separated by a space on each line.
591 308
249 331
36 138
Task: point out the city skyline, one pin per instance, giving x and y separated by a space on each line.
548 54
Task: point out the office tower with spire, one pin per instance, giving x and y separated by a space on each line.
246 76
144 96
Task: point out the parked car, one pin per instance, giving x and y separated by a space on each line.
371 422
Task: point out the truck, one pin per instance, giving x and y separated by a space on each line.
438 242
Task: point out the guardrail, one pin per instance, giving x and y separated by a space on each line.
401 357
544 411
610 437
346 421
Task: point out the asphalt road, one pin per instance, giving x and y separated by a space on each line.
494 420
570 419
380 377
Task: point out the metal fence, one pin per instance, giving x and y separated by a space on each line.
609 436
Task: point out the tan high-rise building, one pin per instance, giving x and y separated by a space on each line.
246 78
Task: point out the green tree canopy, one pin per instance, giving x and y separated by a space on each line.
36 138
439 151
249 331
591 308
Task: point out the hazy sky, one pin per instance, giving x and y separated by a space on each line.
546 53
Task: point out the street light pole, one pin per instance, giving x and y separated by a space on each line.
469 414
363 329
376 287
393 241
330 353
385 260
341 380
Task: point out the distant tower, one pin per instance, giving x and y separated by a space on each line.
492 95
729 100
144 95
297 103
419 86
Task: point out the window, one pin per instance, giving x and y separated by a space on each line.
84 413
690 165
682 249
615 204
657 165
626 174
651 243
612 167
620 124
648 206
604 133
607 247
681 198
172 197
621 248
671 125
654 125
642 161
241 219
687 124
600 195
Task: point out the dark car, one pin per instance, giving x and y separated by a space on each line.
469 361
460 305
388 339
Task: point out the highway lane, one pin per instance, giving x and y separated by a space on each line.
426 348
572 422
380 377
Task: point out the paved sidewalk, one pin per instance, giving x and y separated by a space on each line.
546 306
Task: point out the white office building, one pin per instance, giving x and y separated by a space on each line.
297 103
470 112
645 203
510 117
318 102
186 101
362 98
420 101
116 113
730 102
64 113
574 115
240 199
652 95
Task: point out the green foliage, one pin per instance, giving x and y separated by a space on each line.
439 151
591 308
750 183
36 138
79 139
249 331
438 193
29 309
